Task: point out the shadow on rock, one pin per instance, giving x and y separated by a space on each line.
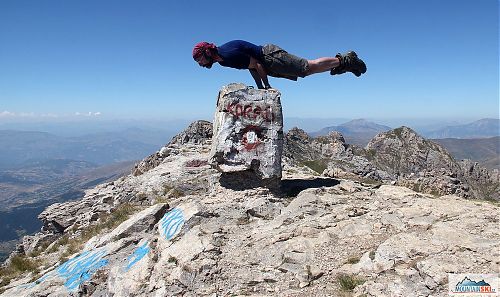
245 180
292 187
240 181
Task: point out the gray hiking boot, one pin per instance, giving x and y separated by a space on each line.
349 63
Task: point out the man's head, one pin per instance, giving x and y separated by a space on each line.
205 54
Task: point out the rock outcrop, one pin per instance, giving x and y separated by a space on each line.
399 156
402 152
332 156
485 182
427 167
248 131
199 132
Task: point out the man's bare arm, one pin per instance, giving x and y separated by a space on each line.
257 67
256 77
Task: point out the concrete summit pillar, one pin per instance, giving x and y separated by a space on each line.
248 131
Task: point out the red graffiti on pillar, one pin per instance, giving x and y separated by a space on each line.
250 111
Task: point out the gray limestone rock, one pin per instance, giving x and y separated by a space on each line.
398 156
402 151
331 156
485 183
248 131
198 132
38 242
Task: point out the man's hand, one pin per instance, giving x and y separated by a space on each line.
265 87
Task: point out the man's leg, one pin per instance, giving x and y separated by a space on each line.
322 64
339 64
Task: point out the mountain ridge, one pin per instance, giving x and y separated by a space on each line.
483 150
100 148
357 131
483 128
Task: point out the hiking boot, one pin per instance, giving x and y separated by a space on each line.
349 63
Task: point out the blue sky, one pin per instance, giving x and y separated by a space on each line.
132 59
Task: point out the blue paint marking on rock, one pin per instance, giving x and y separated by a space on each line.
76 270
138 254
171 223
80 268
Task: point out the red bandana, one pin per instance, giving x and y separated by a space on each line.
204 48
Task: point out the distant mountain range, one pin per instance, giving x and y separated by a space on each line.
24 147
479 129
483 150
357 132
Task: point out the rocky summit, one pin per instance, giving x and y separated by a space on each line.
398 157
178 227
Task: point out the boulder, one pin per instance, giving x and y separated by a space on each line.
248 131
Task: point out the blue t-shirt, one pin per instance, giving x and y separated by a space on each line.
237 53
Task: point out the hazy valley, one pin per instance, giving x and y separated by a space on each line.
39 168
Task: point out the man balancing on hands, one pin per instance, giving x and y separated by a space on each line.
272 60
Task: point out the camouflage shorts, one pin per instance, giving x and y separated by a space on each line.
279 63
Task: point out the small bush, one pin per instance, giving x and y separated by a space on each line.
63 259
372 255
317 165
353 260
17 266
172 192
160 199
107 222
370 154
166 189
243 220
172 260
39 250
370 181
73 247
120 215
348 282
176 193
22 264
62 241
